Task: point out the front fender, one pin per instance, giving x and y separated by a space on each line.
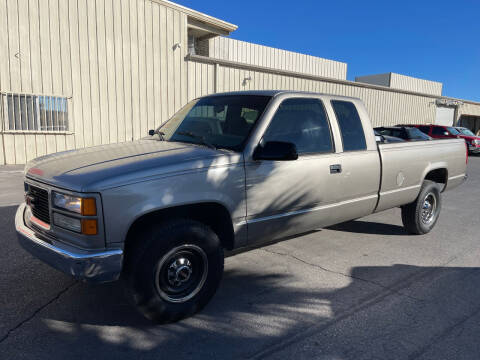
124 205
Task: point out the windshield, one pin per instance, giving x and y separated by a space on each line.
465 131
219 121
453 131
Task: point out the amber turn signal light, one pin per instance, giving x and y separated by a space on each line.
89 207
89 227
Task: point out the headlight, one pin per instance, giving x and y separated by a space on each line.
83 206
476 142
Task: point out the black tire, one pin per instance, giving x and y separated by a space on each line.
416 216
166 272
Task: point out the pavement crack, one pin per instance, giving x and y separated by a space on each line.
39 309
345 275
309 331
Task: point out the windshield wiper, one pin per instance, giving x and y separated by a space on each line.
198 137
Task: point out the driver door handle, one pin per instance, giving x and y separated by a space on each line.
335 169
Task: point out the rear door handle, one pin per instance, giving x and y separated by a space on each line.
335 169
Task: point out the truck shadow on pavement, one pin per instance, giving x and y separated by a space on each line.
398 311
269 305
369 227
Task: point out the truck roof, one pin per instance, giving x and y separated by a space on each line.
275 93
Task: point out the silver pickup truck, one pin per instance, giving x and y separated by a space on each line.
227 171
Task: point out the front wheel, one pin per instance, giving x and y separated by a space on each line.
175 269
421 216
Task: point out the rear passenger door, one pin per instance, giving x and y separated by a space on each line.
328 183
356 188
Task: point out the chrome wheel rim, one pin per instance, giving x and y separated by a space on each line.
181 273
429 209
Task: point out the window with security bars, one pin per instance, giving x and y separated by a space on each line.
26 112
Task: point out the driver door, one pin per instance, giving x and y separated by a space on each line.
282 196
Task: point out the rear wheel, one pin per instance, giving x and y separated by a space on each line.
175 271
420 216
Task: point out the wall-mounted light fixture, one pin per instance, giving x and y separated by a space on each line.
176 46
448 102
246 80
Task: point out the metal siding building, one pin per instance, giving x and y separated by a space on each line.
77 73
403 82
253 54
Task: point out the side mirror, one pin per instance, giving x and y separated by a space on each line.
276 150
379 138
151 132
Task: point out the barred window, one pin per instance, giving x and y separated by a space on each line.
26 112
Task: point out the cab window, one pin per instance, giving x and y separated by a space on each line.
353 136
303 122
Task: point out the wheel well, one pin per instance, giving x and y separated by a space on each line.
439 176
214 215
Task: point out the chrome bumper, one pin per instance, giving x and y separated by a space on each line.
98 266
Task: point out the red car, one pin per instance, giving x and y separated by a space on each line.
446 132
472 140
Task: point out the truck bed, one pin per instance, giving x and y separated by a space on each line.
405 165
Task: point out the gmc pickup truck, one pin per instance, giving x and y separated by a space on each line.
227 171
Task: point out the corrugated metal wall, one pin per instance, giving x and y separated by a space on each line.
377 79
114 59
398 81
403 82
385 107
117 63
254 54
469 109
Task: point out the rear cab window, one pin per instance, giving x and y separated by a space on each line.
350 124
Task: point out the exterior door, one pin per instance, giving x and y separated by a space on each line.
444 116
356 190
323 186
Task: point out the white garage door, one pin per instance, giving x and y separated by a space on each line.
444 115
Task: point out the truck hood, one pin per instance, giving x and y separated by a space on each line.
96 168
469 138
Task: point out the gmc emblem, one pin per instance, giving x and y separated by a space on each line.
30 200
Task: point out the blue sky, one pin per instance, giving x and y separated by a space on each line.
434 40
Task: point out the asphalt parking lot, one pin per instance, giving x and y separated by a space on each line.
360 290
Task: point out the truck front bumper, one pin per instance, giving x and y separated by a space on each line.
473 149
95 266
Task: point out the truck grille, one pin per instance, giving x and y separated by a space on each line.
38 201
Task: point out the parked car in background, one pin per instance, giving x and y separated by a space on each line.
471 139
437 131
450 132
385 139
407 133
